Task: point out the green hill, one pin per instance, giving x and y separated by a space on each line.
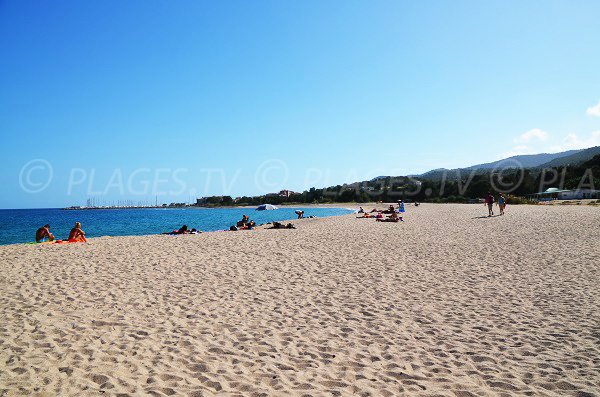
573 159
525 161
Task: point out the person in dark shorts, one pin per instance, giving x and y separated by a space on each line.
489 201
43 234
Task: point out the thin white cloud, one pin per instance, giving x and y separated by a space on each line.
594 110
531 135
570 142
573 141
535 140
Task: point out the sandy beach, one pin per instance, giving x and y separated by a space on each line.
447 303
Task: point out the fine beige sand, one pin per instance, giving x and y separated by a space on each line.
445 304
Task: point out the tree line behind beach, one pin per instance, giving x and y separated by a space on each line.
452 186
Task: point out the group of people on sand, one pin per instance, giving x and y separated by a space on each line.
76 235
490 200
247 224
379 216
300 215
244 224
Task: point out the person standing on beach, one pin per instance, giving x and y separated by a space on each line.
489 201
501 204
401 206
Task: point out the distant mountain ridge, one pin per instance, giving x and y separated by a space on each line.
541 160
576 158
525 160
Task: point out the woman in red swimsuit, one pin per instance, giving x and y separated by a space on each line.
77 235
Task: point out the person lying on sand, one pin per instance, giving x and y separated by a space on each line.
77 235
249 226
365 215
182 230
277 225
43 234
392 218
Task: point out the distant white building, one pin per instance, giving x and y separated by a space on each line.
558 194
579 194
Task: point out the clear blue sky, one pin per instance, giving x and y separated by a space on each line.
338 90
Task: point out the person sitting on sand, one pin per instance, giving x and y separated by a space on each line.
390 210
248 226
77 235
361 210
43 234
182 230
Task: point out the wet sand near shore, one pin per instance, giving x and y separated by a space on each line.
447 303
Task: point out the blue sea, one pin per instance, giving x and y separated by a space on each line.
19 226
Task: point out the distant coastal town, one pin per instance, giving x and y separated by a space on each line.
212 201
